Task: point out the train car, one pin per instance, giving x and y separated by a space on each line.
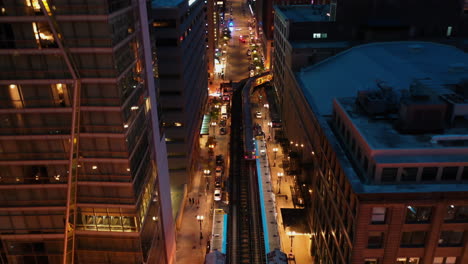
249 146
219 231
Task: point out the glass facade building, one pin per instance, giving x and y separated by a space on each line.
82 159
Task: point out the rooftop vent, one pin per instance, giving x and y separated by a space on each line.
378 102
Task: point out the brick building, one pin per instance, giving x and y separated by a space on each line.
380 131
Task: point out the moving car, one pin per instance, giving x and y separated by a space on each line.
258 114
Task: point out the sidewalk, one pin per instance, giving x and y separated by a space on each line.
281 185
191 249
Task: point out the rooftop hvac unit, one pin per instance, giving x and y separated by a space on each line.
422 117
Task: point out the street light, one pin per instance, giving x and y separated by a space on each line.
280 176
291 235
200 220
274 151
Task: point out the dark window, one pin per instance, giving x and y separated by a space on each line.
409 174
418 215
451 239
429 174
457 214
449 173
375 240
465 173
389 174
413 239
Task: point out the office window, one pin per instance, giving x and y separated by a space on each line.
418 214
407 261
409 174
413 239
449 31
445 260
429 173
389 174
449 173
375 240
451 239
371 261
378 215
457 214
320 35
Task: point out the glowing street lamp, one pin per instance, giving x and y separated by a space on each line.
275 150
200 220
280 176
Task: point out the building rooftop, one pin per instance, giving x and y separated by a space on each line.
317 45
396 63
407 70
305 13
380 132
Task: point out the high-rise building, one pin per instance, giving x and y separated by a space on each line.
180 29
83 166
380 132
264 14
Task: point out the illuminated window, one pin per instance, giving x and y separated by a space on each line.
320 35
43 35
445 260
407 261
34 4
449 31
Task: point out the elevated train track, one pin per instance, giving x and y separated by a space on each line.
245 239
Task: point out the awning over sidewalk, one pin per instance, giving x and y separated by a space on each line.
295 220
205 127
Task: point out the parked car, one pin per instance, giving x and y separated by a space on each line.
219 160
217 194
219 171
258 114
218 182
